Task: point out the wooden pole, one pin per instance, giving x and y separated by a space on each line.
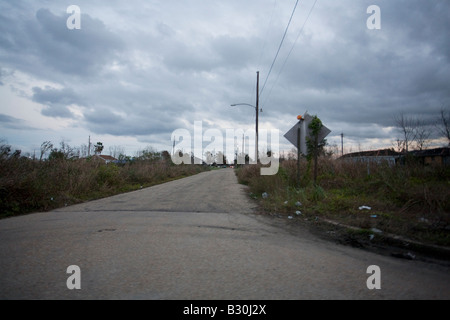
257 114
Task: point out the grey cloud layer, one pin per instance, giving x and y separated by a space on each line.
151 67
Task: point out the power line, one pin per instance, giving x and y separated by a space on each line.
279 47
290 51
267 32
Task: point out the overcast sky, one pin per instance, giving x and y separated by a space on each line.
139 69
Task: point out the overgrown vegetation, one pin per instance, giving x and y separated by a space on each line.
28 185
411 200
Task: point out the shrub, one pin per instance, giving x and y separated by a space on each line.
28 185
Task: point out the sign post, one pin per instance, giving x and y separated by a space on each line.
298 135
298 156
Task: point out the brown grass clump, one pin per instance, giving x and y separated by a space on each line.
411 200
29 185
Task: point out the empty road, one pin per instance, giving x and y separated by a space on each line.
194 238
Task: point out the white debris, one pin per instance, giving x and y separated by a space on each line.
298 212
298 204
265 195
365 207
410 256
290 217
376 230
371 236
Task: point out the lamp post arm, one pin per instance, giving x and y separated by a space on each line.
243 104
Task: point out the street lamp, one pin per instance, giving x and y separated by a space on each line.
257 112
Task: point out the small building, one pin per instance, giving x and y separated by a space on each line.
106 159
388 156
437 156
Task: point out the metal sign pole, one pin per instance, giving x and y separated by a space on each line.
298 156
298 135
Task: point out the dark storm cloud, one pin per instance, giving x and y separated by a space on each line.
42 44
10 122
235 52
140 123
56 101
148 68
81 52
366 77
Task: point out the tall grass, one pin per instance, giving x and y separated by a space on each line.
412 199
28 185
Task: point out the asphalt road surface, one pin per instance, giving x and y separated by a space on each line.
194 238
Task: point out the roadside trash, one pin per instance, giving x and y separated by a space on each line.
298 204
371 237
51 199
365 207
408 256
290 217
298 212
286 202
423 220
376 230
373 216
265 195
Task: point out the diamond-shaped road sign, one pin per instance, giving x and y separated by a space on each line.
291 135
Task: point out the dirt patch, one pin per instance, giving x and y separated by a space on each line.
364 239
375 241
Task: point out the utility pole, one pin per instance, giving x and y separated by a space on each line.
342 144
89 147
243 147
257 113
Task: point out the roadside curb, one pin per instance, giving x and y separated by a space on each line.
400 242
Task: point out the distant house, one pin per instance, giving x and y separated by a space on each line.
388 156
106 159
437 156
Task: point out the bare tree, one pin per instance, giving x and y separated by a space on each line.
443 124
422 133
67 150
398 145
84 151
406 125
45 147
116 151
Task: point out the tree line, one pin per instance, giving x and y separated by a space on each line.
417 134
